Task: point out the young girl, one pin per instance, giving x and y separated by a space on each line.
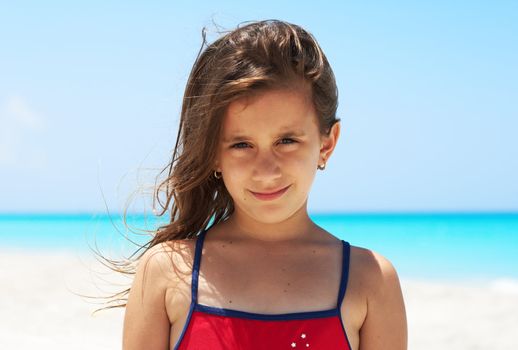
241 265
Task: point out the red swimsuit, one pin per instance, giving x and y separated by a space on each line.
211 328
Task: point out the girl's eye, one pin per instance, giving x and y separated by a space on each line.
238 145
291 141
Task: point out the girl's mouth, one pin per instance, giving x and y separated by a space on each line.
271 195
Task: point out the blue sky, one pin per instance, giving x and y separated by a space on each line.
90 96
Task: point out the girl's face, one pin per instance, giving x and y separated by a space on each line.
270 142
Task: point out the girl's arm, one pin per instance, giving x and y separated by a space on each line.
385 326
146 324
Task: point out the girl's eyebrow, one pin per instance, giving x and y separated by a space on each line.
241 136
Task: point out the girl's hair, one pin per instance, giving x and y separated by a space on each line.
255 57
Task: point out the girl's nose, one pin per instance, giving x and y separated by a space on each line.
266 168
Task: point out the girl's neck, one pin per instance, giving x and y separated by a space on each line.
241 227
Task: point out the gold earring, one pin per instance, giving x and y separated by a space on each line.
216 174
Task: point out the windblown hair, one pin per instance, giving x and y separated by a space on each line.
255 57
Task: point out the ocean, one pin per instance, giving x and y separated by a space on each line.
452 247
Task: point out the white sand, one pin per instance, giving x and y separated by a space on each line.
39 310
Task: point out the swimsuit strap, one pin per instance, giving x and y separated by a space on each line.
196 266
346 251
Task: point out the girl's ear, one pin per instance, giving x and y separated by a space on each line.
328 143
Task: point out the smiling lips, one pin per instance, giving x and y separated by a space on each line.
271 195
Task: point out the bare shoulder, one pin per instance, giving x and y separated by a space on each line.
385 322
147 320
170 261
178 258
373 268
158 266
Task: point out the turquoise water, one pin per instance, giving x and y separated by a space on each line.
428 246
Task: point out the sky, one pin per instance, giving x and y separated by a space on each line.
90 96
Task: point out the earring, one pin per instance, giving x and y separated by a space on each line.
216 174
322 167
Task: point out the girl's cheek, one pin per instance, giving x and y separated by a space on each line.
237 165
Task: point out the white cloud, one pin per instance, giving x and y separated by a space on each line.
19 125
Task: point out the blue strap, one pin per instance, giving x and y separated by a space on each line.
346 248
345 272
196 267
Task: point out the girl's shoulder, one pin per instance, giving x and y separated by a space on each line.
166 264
372 281
374 271
171 259
377 289
370 260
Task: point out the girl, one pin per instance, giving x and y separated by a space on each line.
241 265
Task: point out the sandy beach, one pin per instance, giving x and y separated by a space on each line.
38 308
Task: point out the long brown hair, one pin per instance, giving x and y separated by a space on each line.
253 57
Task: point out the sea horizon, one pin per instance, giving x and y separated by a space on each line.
473 247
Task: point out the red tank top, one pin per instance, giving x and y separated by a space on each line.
212 328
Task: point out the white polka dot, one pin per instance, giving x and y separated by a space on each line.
303 335
293 345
